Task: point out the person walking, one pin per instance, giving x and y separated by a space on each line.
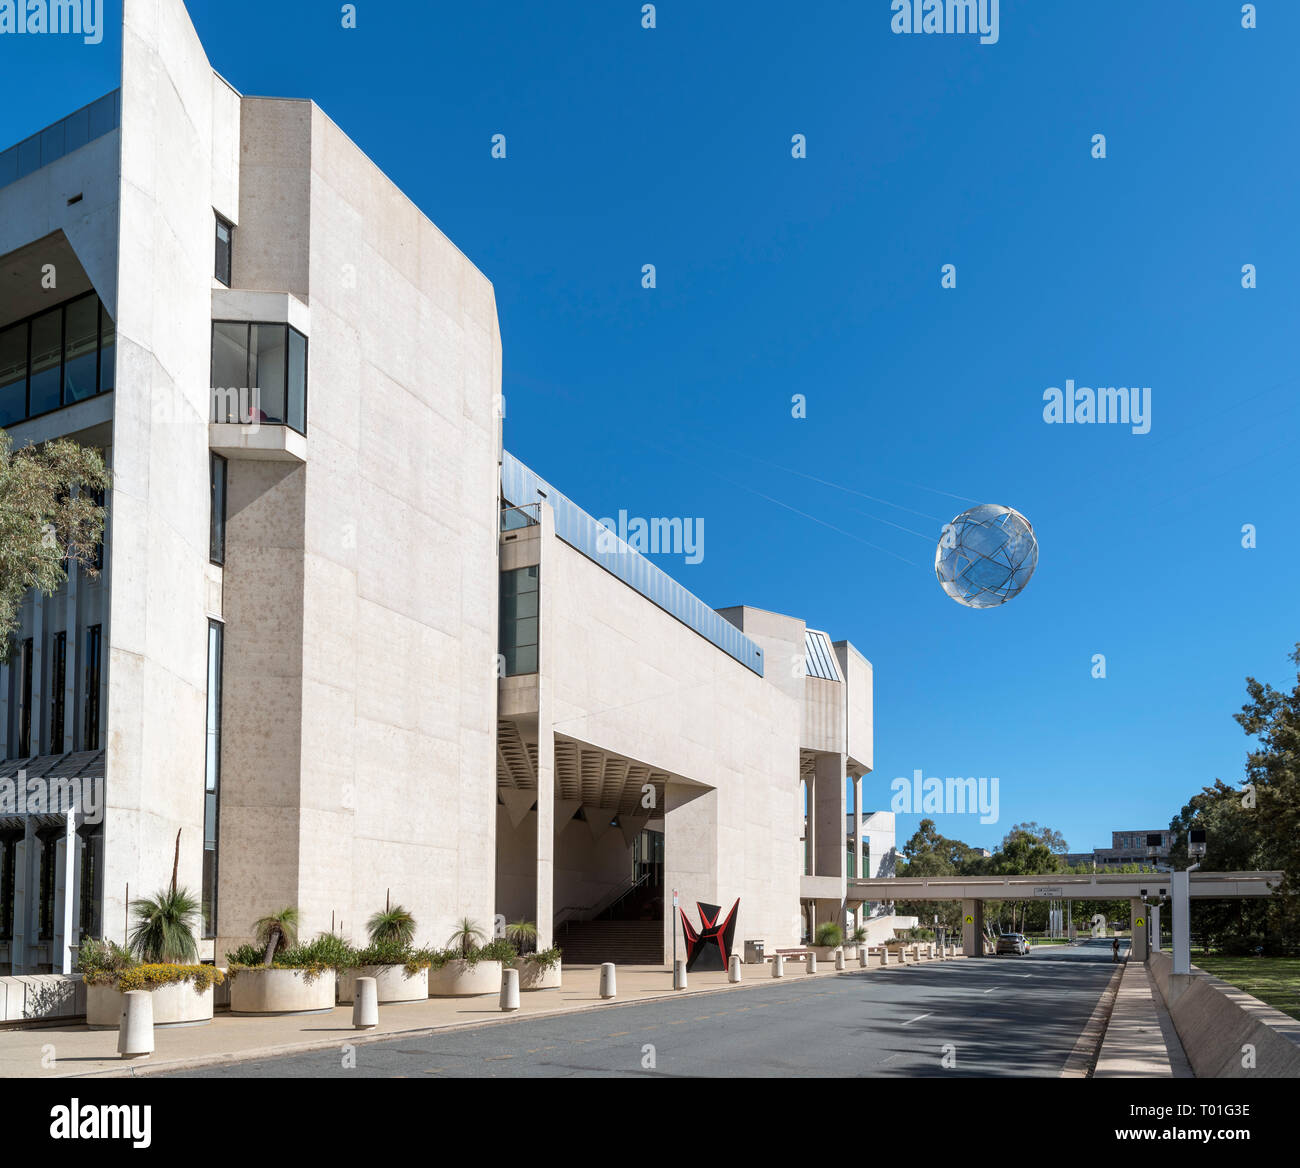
1114 951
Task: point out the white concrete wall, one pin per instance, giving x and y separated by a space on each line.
171 172
629 678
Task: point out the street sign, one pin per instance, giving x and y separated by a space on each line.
970 920
1140 923
1050 890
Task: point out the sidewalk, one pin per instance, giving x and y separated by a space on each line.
60 1051
1140 1040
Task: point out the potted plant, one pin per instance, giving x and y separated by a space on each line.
162 957
467 967
826 939
537 970
274 975
401 973
854 942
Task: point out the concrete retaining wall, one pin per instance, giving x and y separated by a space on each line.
1217 1021
30 997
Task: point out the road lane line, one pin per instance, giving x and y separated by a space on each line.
918 1018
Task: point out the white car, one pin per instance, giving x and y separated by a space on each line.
1013 943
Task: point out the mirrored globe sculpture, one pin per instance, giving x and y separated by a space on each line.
986 556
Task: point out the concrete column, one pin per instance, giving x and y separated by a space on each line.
857 829
829 815
1180 892
972 928
62 959
1138 927
22 886
545 738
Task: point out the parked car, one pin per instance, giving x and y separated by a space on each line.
1014 943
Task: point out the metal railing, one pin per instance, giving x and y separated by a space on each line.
516 518
612 900
63 137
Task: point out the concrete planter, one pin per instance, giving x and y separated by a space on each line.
281 991
178 1004
392 983
534 977
825 952
460 979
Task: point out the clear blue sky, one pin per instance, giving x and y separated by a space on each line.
821 277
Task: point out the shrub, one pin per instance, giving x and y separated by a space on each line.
99 960
467 937
392 954
326 952
283 925
544 958
828 935
150 977
500 950
393 926
522 935
164 927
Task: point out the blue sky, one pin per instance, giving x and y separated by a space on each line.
821 277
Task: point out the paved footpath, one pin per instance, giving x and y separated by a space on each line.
1140 1037
73 1049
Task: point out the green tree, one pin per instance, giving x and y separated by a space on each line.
48 519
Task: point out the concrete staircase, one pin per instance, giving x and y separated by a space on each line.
622 942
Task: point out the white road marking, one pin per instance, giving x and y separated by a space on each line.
918 1018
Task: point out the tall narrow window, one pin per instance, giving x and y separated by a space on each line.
97 560
212 780
8 854
43 390
92 852
225 245
90 697
25 700
81 349
518 634
217 521
13 374
49 880
58 678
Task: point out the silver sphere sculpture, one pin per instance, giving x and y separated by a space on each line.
986 556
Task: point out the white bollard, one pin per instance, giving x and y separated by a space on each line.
810 966
679 975
884 955
510 989
733 968
931 956
863 957
839 959
135 1030
778 966
365 1004
608 984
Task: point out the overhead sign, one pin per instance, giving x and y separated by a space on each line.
1049 890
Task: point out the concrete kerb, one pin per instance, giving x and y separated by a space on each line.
355 1038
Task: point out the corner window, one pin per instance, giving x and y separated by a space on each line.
55 358
225 245
518 637
259 374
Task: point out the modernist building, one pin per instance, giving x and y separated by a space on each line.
342 645
1126 847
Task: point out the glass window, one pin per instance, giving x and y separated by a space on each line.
47 346
107 339
76 129
217 521
52 144
9 166
25 700
212 780
229 371
29 156
518 619
81 338
297 403
103 114
90 696
224 244
13 374
269 363
58 679
8 856
92 852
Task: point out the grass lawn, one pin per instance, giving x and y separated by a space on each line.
1275 980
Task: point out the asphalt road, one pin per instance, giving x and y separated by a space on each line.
1006 1016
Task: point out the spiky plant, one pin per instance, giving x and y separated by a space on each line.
164 928
467 937
829 935
276 931
858 935
392 926
522 935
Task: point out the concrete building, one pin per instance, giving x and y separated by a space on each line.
343 645
1126 847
